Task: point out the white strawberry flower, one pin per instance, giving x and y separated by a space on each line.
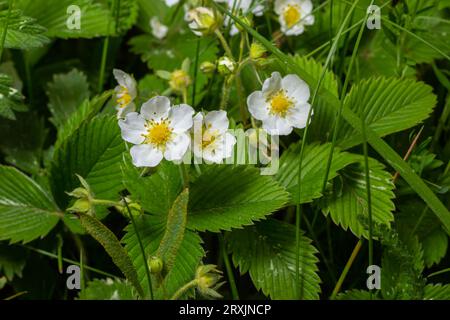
281 105
212 141
202 21
159 131
125 93
159 30
246 6
294 15
170 3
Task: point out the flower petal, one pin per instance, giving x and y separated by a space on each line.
228 142
217 120
133 128
123 111
306 6
257 105
272 84
277 126
144 155
177 147
180 118
295 88
125 80
298 115
156 108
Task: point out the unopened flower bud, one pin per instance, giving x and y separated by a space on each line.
257 51
155 265
203 21
208 277
179 80
226 66
81 206
207 67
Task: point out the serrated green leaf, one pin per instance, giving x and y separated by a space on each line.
94 152
66 92
27 211
10 98
107 290
151 230
84 112
356 294
96 17
347 204
268 251
313 169
12 261
437 292
22 32
113 247
389 105
225 197
156 192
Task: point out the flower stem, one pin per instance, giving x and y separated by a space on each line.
141 246
226 260
224 43
346 269
183 289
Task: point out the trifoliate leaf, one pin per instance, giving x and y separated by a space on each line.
268 252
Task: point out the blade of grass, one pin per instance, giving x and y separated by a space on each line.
54 256
141 247
226 260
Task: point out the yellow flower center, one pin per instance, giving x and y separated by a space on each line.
124 97
292 15
280 103
158 134
208 137
179 80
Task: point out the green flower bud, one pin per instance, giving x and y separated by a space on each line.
208 277
81 205
257 51
246 20
203 21
207 67
155 265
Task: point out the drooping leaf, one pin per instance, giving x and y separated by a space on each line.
313 169
27 211
225 197
174 233
94 152
347 203
107 290
151 230
267 251
66 92
113 247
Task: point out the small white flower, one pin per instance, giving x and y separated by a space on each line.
159 131
246 6
159 30
281 105
225 65
125 93
170 3
202 21
293 15
212 141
